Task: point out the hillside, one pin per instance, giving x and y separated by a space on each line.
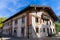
57 24
59 19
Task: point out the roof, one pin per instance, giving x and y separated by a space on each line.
46 8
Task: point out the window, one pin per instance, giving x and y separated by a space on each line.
23 19
46 22
22 29
50 30
15 31
50 23
53 30
36 19
37 30
43 29
16 21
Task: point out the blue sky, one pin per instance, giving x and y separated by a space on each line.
10 7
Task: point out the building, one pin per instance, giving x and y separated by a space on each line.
31 22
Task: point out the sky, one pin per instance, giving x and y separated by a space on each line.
10 7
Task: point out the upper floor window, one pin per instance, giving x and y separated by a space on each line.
36 19
46 22
50 23
16 21
23 19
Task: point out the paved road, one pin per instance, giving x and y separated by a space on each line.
48 38
15 38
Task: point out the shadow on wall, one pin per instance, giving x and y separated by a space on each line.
31 32
38 32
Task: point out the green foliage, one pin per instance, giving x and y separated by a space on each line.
1 25
57 26
1 20
59 19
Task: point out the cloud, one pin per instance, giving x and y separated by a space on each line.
44 4
9 7
58 8
3 5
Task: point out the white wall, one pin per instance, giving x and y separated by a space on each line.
13 25
19 27
40 26
5 29
25 26
34 25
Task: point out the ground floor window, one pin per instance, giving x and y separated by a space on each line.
22 30
50 30
15 31
37 30
53 30
43 29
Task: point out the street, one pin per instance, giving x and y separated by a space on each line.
15 38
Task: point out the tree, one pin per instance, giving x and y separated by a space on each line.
57 27
1 20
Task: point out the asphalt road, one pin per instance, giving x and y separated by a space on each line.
15 38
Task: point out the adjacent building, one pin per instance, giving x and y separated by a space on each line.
31 22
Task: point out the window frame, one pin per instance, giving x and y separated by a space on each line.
23 19
22 29
37 19
16 21
37 30
43 29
